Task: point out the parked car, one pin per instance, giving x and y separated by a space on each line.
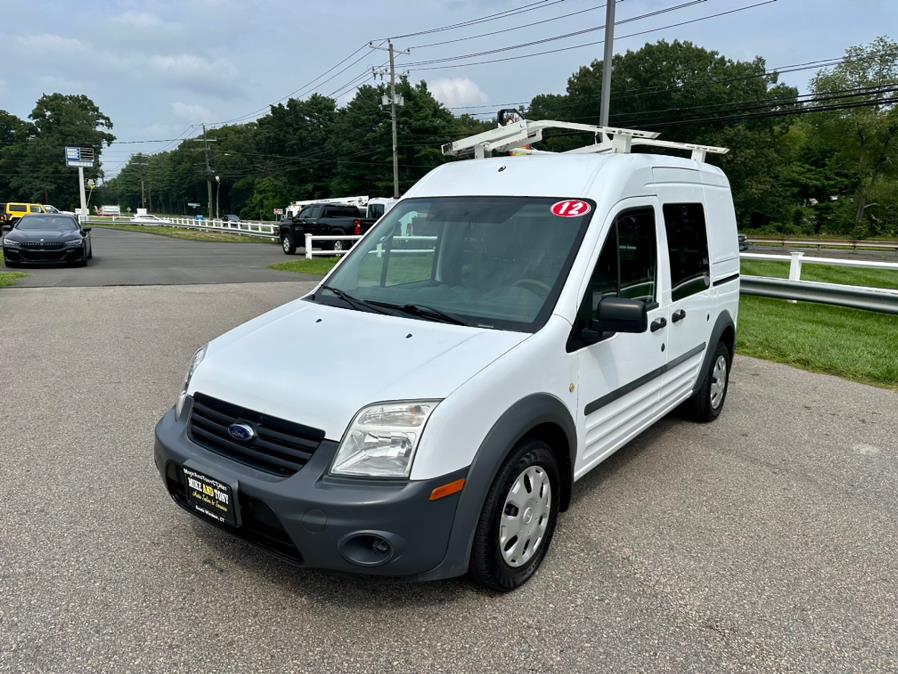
149 220
743 242
47 238
11 212
553 307
230 217
323 220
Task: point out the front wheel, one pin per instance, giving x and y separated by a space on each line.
707 402
518 518
288 245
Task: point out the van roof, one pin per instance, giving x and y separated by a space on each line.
556 175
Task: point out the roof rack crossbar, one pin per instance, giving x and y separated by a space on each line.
526 132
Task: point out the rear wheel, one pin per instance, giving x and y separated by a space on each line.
707 402
518 518
288 245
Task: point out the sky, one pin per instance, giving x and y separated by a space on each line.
161 68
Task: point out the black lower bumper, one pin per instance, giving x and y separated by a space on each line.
362 526
37 256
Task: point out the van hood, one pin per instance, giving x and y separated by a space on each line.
318 365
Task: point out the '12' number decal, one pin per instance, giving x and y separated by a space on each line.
570 208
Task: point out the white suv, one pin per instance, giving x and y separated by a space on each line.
503 329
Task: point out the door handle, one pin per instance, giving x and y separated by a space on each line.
657 324
678 315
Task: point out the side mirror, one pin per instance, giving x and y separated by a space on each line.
7 227
619 314
86 229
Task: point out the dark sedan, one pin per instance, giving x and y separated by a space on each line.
47 239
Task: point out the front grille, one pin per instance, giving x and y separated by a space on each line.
43 245
280 447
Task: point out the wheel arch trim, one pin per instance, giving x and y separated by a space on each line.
533 414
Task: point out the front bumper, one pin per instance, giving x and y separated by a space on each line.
316 520
44 256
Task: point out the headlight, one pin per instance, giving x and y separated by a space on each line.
382 439
10 243
74 243
194 363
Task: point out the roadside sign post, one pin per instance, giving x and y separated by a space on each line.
80 157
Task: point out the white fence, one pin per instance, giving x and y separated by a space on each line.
266 230
311 239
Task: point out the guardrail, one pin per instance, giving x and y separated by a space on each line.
812 243
793 288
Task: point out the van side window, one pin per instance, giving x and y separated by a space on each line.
627 266
628 261
687 243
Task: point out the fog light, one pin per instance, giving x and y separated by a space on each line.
368 549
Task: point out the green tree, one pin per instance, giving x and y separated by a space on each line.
58 120
865 137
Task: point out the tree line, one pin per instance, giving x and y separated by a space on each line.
823 162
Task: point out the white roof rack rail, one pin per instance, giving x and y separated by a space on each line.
526 132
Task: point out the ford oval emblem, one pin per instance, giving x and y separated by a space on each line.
242 432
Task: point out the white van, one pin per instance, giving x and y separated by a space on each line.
544 311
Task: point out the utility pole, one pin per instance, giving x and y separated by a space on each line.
143 201
393 121
208 170
393 103
606 63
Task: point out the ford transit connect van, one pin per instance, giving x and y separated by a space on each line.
544 311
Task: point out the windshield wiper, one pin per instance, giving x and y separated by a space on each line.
353 301
425 311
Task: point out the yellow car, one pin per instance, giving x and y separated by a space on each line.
11 212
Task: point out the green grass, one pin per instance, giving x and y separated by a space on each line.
850 343
190 234
9 278
852 276
317 266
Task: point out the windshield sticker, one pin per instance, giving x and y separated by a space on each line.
570 208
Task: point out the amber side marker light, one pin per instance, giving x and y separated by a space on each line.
447 490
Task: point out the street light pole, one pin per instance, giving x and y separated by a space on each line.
217 192
606 63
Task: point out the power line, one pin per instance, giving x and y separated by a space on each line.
596 42
553 38
523 9
508 30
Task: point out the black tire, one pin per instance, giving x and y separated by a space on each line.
488 566
704 406
288 245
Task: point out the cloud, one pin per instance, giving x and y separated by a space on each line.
50 43
138 20
196 73
457 91
60 84
191 113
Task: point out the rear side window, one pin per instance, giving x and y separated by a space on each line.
687 244
342 212
18 208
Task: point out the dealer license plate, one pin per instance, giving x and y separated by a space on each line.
213 498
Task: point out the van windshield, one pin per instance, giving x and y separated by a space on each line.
496 262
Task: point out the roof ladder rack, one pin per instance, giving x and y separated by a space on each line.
519 135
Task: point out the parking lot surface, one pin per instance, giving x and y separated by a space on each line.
763 542
135 258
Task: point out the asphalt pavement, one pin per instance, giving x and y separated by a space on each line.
135 258
765 541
